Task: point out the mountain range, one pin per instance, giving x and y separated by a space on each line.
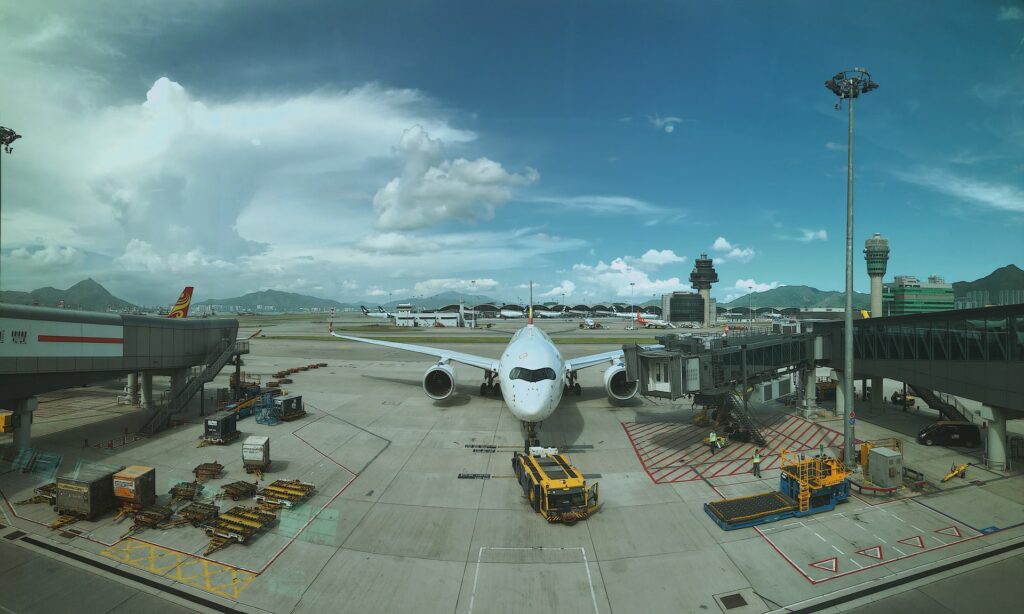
89 295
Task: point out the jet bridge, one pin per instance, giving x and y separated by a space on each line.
710 366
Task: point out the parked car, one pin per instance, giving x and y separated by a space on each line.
948 433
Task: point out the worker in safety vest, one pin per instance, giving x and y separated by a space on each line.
756 462
712 441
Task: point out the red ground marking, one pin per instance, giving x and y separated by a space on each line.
874 552
830 565
946 531
916 541
668 446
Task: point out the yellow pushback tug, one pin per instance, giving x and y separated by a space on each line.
556 489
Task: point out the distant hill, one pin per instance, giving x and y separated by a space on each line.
1009 277
800 296
86 295
280 301
440 300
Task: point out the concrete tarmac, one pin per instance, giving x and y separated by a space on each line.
392 528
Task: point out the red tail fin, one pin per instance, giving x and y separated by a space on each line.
180 309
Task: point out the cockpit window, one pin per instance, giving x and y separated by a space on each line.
532 375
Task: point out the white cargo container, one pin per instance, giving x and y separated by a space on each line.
256 452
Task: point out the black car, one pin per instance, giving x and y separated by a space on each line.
948 433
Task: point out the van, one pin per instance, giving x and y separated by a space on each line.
948 433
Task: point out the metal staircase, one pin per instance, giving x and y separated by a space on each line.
946 410
743 420
181 397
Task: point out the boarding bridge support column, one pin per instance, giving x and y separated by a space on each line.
133 388
23 411
877 394
995 444
839 378
810 387
147 390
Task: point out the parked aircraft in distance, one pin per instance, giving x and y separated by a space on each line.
378 314
180 309
653 322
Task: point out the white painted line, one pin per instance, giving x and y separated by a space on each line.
586 565
857 524
822 538
938 539
476 577
837 550
856 563
902 553
914 526
896 517
791 524
879 538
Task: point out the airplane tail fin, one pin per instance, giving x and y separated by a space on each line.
365 311
640 319
530 320
180 309
381 309
865 314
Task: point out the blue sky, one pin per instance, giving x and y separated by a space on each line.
349 150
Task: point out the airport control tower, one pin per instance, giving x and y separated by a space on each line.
701 278
876 253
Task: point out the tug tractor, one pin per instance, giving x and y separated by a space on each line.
555 489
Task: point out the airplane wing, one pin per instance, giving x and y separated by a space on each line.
480 362
583 362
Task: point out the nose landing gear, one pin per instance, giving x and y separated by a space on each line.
532 438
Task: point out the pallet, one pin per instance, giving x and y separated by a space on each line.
198 513
285 493
208 471
43 494
186 491
241 490
221 441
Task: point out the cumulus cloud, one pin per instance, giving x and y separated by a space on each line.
50 256
451 284
743 287
729 252
566 287
806 235
397 243
616 278
431 190
831 146
654 257
1002 197
141 256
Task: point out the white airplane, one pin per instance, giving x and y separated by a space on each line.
545 313
589 323
510 313
378 314
653 322
531 373
635 315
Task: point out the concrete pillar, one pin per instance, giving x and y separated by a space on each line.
839 379
23 410
147 390
133 388
810 387
877 394
995 444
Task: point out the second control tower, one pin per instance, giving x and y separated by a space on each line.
701 278
876 253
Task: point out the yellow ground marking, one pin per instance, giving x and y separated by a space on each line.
210 576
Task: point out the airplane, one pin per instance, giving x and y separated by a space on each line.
634 315
545 313
510 313
653 322
530 375
378 314
589 323
180 309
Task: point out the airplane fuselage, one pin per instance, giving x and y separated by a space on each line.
532 374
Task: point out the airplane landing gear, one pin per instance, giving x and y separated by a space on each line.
532 439
571 385
490 386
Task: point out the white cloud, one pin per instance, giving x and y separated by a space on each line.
615 279
1010 13
656 258
743 287
397 243
599 204
807 235
566 287
141 256
730 252
994 196
431 190
50 256
430 287
835 146
668 124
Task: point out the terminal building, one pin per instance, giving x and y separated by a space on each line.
906 294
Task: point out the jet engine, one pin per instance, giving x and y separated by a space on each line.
616 385
439 382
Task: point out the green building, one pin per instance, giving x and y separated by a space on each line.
906 294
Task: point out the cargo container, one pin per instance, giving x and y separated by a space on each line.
135 485
256 452
87 492
289 407
221 427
